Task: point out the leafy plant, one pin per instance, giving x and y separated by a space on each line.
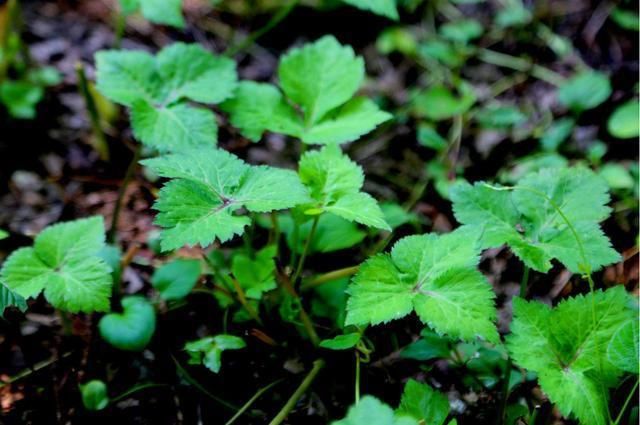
167 12
65 265
94 395
550 214
175 280
381 7
157 91
321 78
208 351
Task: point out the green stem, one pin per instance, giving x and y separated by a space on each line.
626 403
302 388
199 386
111 235
520 64
252 400
305 250
120 25
357 388
524 282
135 389
272 23
99 140
328 277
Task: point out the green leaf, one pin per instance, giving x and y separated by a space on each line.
429 137
585 90
64 262
379 7
448 103
334 182
617 176
255 275
21 98
208 351
462 31
423 403
530 224
342 342
500 117
10 299
436 276
321 78
158 89
429 346
132 329
167 12
333 233
566 346
3 234
94 395
557 133
626 19
622 350
208 187
624 123
397 216
371 411
175 279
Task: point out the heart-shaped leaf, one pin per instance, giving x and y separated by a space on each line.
132 329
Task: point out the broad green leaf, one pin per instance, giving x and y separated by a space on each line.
423 403
9 298
462 31
500 117
255 275
332 233
429 346
622 350
334 182
617 176
342 342
434 275
371 411
158 89
21 98
567 348
208 186
167 12
526 218
132 329
397 216
94 395
175 279
440 103
64 262
173 127
585 90
208 351
624 123
321 78
380 7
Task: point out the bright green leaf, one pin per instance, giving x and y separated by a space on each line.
342 342
175 279
380 7
132 329
585 90
371 411
94 395
622 350
9 298
208 351
624 123
255 275
462 31
423 403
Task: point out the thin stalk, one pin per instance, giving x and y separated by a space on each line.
272 23
302 388
36 368
305 250
99 141
243 300
626 403
283 279
524 282
199 386
111 235
120 25
520 64
252 400
357 388
135 389
328 277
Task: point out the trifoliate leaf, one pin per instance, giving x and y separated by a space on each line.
379 7
9 298
530 224
622 350
585 90
157 11
321 78
624 123
371 411
94 395
157 90
64 262
175 279
132 329
567 348
208 351
434 275
255 275
423 403
342 342
334 182
208 187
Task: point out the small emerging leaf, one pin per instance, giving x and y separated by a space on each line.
208 351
